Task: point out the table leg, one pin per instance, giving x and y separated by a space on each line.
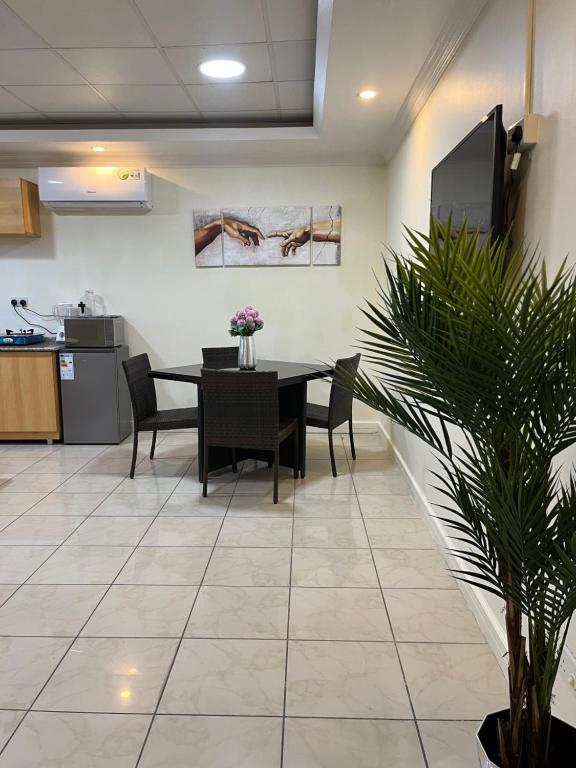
200 434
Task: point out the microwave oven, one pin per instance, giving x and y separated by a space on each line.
95 331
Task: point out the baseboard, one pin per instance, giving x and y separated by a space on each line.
475 598
360 428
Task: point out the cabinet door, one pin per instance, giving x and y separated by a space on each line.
29 401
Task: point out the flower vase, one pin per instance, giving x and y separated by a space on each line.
246 354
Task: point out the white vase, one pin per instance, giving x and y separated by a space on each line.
246 353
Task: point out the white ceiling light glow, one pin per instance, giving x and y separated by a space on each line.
222 68
367 94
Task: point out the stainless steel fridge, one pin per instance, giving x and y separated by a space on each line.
95 399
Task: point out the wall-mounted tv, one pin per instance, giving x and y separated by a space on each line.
469 182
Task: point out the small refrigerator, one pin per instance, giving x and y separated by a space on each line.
95 399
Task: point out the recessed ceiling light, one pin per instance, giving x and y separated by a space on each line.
222 68
367 93
98 149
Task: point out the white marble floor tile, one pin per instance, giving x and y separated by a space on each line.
337 533
351 679
40 483
384 466
71 740
249 567
17 503
182 532
57 464
9 719
373 452
25 665
57 611
109 675
255 532
326 506
390 506
449 744
399 534
17 563
110 531
131 505
452 681
338 614
15 465
6 520
170 449
240 612
431 615
315 484
323 467
260 506
215 742
413 569
90 484
6 590
331 743
105 465
82 565
374 484
158 467
226 677
165 565
30 529
74 504
333 568
264 489
189 505
141 611
218 484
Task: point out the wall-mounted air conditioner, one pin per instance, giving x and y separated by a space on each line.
95 189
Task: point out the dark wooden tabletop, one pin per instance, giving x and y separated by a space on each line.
288 373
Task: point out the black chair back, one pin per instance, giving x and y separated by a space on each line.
220 357
140 386
240 409
340 406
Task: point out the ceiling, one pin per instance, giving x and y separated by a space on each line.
123 74
119 61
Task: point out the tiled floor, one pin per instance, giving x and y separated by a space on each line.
141 625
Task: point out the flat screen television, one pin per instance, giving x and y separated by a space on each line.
469 182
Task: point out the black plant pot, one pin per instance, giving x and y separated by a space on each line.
562 740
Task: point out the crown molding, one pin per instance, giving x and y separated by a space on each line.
441 55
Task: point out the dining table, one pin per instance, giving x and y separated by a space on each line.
293 381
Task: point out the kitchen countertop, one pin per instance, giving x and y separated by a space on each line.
49 345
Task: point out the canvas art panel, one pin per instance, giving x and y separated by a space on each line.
326 225
267 236
207 225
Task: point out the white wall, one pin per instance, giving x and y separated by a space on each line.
490 70
144 268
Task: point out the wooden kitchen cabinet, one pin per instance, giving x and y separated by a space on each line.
19 208
29 396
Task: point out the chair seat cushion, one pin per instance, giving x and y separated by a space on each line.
317 415
172 418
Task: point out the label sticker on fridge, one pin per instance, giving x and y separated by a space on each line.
66 366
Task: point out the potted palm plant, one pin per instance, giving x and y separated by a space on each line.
475 353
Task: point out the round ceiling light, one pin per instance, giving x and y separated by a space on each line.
367 94
98 149
222 68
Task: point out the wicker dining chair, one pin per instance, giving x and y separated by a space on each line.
241 410
340 408
220 357
147 417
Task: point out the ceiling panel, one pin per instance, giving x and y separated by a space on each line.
35 68
122 66
296 95
254 56
204 22
54 98
9 104
80 23
292 19
229 97
147 98
295 59
15 34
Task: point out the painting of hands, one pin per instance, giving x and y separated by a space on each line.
268 236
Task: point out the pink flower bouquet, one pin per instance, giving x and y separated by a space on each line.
245 322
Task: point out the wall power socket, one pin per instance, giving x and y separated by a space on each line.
568 668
